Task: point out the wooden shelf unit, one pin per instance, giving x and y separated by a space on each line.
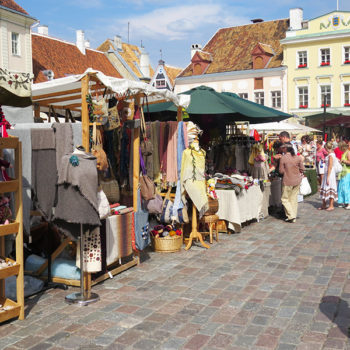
16 227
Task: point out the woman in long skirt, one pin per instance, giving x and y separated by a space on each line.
328 190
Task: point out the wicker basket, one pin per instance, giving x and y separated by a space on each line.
167 244
213 206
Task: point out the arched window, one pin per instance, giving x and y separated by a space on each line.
197 69
258 62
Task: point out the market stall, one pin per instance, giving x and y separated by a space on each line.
80 96
228 146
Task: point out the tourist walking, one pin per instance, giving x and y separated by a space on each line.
328 191
344 180
291 167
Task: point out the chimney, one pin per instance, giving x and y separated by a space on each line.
195 48
295 18
144 63
118 42
43 29
257 20
80 43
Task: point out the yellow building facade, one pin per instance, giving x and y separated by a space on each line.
317 54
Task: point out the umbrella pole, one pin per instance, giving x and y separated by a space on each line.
324 116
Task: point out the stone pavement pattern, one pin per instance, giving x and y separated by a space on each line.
274 286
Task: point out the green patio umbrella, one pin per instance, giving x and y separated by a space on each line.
206 101
253 110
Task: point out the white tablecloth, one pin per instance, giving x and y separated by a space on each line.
239 209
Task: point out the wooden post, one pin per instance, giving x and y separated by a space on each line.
85 113
19 236
136 160
36 111
179 114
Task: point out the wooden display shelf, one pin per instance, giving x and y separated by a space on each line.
9 229
8 142
8 314
113 271
8 186
9 271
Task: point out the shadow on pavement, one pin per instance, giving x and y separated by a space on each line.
338 311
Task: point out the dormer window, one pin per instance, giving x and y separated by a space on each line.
200 62
261 55
160 83
259 62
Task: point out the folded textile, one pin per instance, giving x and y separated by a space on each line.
118 237
43 139
64 140
44 170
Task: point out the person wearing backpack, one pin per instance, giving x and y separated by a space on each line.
344 180
328 190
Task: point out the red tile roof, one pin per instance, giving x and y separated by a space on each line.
231 48
172 73
65 58
13 6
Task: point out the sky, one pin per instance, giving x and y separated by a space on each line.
166 28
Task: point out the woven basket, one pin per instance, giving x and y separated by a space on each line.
213 206
167 244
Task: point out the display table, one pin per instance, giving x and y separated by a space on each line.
239 209
312 178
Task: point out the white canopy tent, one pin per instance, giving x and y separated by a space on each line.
277 127
64 93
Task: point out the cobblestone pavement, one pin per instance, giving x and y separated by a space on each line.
276 285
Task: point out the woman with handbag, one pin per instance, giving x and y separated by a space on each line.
291 167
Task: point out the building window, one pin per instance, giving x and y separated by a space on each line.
303 93
302 59
347 95
259 97
276 99
347 55
160 83
325 57
15 43
258 83
325 95
243 95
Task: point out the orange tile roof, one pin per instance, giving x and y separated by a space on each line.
231 48
172 73
130 54
65 58
13 6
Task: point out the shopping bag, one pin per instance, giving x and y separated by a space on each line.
338 168
142 234
305 188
